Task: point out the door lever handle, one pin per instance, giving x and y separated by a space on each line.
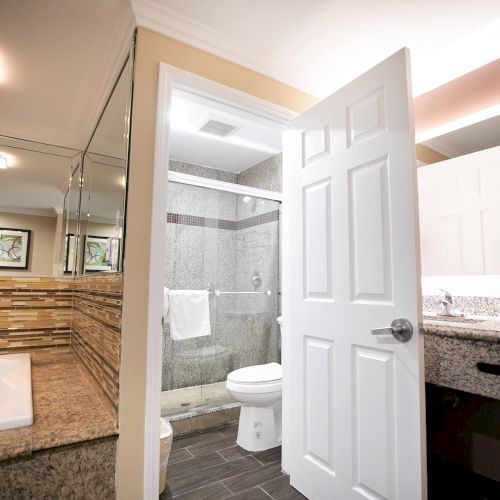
401 329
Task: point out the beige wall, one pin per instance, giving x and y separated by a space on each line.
428 155
150 50
43 235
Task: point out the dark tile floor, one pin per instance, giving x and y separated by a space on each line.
210 465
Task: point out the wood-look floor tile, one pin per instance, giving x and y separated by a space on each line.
280 489
179 456
253 494
254 477
213 445
195 480
194 464
229 429
268 456
193 439
214 491
233 453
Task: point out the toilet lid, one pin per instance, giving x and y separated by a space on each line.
258 373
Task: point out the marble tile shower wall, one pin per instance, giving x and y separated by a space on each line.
244 328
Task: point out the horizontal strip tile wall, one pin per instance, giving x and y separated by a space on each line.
95 335
35 312
233 225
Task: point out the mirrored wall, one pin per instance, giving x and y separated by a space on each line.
34 195
62 211
94 212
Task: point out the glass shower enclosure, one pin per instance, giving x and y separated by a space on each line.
228 244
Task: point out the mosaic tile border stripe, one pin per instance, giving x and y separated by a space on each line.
35 312
232 225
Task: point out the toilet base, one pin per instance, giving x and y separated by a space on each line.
259 427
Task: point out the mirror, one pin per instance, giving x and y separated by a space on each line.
104 183
33 196
459 204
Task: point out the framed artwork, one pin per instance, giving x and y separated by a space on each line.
14 248
101 254
69 253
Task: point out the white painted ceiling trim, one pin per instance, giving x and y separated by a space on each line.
184 80
42 212
152 14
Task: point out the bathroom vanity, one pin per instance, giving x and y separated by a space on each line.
463 354
462 372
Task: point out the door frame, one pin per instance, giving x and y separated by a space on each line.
171 77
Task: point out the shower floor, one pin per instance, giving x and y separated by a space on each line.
187 398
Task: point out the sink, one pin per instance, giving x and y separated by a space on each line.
16 402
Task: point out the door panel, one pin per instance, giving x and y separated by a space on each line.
352 400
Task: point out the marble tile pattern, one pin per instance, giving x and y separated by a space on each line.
487 330
210 465
35 312
264 175
95 334
66 407
474 306
452 362
85 471
201 171
244 329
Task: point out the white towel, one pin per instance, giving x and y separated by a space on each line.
188 313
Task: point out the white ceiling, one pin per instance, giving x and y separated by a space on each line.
476 137
58 60
254 140
319 45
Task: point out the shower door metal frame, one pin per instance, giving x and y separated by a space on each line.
171 77
227 187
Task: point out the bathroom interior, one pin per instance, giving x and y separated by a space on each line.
61 299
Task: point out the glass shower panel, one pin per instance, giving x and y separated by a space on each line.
229 244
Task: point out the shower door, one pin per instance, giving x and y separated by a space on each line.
228 244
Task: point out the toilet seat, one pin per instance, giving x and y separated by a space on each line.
256 379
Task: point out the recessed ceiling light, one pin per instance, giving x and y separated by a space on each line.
3 162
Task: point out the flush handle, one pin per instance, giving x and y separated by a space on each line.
401 329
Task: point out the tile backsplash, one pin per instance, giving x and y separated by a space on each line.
95 334
35 312
475 306
84 312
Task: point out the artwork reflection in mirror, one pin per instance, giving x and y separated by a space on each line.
104 183
33 197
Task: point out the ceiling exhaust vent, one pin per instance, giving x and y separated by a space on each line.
216 127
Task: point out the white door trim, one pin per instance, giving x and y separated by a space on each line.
172 77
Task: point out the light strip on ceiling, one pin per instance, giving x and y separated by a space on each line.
465 121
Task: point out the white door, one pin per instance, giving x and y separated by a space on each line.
353 401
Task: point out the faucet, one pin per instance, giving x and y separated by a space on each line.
446 307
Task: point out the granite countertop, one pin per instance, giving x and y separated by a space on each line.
66 408
485 329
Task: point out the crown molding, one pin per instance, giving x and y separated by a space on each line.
152 14
39 212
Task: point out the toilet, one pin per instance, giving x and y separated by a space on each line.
258 389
